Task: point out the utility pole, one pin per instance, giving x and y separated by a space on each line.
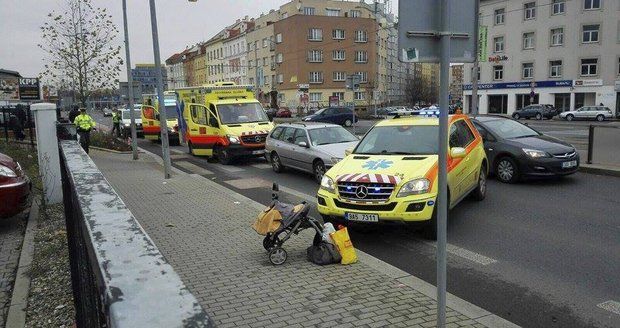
256 70
474 74
134 135
163 119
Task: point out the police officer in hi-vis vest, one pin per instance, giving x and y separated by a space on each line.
116 123
84 124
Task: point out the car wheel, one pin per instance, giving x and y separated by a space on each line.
516 116
570 117
223 156
600 118
319 170
348 122
481 189
539 116
506 170
276 164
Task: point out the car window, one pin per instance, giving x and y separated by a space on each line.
460 134
330 111
400 139
277 132
288 134
330 135
300 136
509 129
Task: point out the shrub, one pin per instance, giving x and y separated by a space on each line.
105 140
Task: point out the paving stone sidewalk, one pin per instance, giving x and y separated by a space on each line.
204 231
11 238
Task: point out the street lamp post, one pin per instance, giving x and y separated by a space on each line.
134 135
163 119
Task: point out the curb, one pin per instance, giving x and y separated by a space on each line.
16 318
599 171
110 150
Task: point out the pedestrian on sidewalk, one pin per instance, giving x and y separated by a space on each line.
84 124
116 123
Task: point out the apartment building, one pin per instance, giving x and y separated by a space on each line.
175 72
235 52
564 53
146 74
261 57
214 51
456 83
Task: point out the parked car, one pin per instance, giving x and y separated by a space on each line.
599 113
15 187
335 115
126 121
537 111
310 147
271 113
106 112
401 110
284 112
517 151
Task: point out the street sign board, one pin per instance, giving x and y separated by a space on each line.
419 37
334 101
353 82
29 89
483 36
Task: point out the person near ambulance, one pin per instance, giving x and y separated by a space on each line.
84 124
116 123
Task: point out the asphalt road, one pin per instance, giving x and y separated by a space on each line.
540 254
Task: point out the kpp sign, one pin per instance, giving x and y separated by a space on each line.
29 89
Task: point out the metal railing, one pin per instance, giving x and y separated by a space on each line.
603 145
119 277
17 123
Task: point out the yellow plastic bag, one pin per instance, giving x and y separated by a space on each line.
267 221
345 246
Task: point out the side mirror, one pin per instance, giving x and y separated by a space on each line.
348 151
458 152
302 144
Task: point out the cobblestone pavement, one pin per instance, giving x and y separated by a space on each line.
11 238
204 231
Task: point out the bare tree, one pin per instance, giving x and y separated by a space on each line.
81 48
420 90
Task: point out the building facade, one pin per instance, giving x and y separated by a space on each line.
235 51
146 74
175 73
564 53
456 84
214 51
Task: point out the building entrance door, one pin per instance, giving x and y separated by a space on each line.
498 104
562 102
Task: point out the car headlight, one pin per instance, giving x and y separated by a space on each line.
7 172
414 187
335 160
126 125
327 184
233 139
533 153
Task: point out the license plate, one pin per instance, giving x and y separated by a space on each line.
566 165
258 152
362 217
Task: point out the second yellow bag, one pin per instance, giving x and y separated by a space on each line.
345 246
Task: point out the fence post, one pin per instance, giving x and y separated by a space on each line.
590 143
6 123
30 123
47 150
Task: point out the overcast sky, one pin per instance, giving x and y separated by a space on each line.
180 22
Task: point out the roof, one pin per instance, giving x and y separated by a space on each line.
7 72
310 125
415 120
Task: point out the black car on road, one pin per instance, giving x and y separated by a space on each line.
538 111
517 151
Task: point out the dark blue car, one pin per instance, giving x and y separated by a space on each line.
335 115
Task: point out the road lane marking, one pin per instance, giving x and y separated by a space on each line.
193 168
178 151
261 166
249 183
452 249
611 306
178 156
230 169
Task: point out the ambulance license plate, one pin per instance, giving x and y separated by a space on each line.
570 164
258 152
362 217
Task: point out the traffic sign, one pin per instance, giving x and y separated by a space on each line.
353 82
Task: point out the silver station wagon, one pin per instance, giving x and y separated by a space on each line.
308 146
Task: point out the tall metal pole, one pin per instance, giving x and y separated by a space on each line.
163 120
256 69
134 134
442 202
474 75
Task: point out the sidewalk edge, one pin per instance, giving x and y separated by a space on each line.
599 171
16 317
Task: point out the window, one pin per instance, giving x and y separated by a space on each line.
338 55
301 136
528 70
558 7
589 67
591 4
340 76
557 37
498 44
316 96
460 134
279 58
355 13
529 11
500 15
340 95
315 56
498 72
277 132
332 12
288 134
361 36
338 34
315 34
590 33
279 38
363 76
265 42
528 40
309 11
358 95
361 56
316 77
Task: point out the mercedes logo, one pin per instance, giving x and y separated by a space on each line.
258 139
361 192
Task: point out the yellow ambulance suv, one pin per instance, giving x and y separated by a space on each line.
223 121
391 175
150 116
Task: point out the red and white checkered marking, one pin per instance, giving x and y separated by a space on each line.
250 133
370 178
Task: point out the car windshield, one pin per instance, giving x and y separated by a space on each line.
318 112
509 129
331 135
127 115
171 112
241 113
400 140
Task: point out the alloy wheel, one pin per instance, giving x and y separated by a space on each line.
505 170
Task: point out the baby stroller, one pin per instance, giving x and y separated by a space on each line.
294 219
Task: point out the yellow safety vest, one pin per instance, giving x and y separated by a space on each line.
84 122
116 118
